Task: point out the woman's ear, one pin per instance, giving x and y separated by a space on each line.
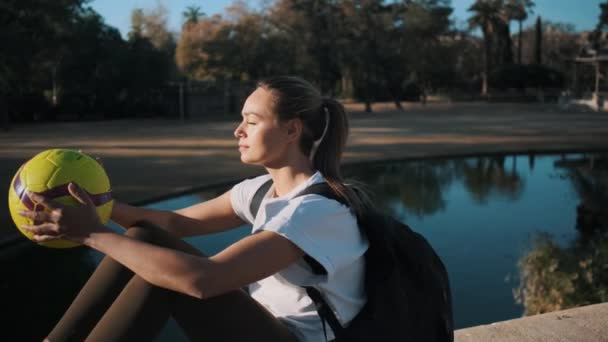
294 128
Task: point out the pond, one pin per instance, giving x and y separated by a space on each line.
519 234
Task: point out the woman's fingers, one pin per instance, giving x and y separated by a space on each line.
79 194
44 238
42 229
50 204
41 216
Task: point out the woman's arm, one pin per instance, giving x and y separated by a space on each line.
215 215
250 259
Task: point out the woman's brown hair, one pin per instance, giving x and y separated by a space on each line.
325 131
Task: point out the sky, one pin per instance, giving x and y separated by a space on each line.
582 13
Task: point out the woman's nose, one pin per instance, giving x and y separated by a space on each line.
238 132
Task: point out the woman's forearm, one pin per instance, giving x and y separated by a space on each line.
127 215
203 218
163 267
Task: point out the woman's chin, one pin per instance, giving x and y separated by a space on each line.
246 160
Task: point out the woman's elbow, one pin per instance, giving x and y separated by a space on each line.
198 287
196 293
205 287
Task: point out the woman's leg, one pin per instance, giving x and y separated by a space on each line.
104 286
141 309
233 316
96 296
138 314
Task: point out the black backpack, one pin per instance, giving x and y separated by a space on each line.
407 286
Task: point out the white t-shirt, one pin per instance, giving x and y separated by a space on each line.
325 230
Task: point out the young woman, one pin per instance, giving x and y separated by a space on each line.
149 274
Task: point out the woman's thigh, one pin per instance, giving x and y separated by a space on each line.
233 316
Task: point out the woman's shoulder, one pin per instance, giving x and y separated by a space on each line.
315 206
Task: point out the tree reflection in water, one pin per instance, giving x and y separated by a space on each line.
555 278
419 186
486 175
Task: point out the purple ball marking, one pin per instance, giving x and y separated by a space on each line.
58 191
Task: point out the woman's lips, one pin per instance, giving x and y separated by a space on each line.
243 147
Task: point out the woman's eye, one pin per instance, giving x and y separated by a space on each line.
250 123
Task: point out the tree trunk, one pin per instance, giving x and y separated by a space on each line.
538 43
486 71
347 84
506 53
368 101
519 44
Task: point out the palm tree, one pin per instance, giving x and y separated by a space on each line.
192 14
518 10
486 15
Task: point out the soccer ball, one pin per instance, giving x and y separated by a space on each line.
48 173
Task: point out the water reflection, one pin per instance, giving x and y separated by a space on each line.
555 277
487 175
420 186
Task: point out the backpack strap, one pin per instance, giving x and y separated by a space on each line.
322 189
254 206
323 309
325 312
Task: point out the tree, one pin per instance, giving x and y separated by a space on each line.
603 18
37 31
538 45
137 24
192 14
425 44
602 24
192 53
486 15
91 77
152 45
313 23
518 10
152 24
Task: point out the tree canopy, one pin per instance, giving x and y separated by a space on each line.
62 56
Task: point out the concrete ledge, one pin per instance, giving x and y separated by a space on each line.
587 323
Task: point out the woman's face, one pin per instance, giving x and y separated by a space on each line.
262 139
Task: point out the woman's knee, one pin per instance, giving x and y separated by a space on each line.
151 233
145 231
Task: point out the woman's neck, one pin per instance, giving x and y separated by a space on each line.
288 178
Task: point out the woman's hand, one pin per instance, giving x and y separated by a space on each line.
61 221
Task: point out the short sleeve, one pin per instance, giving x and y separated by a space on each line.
241 195
323 228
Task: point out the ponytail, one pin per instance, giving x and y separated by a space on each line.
329 155
324 135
